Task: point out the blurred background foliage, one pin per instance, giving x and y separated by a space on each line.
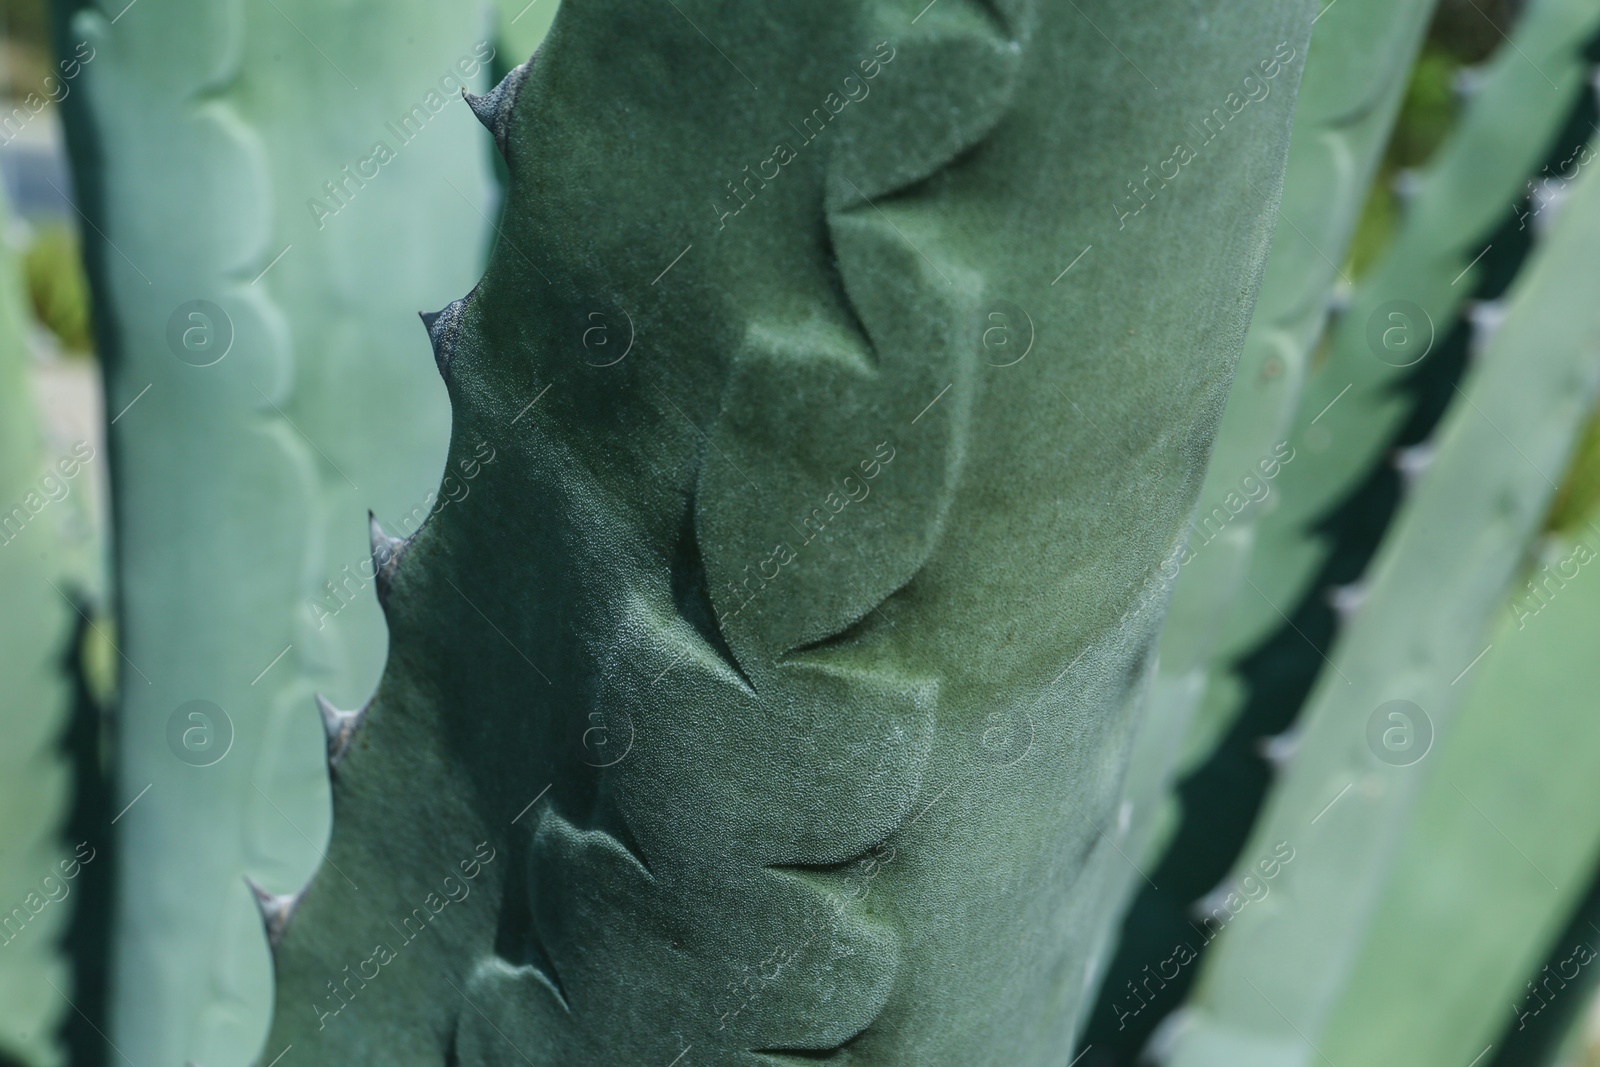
56 285
1222 797
48 236
1462 35
26 24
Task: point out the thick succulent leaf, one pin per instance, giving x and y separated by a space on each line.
1277 974
1347 104
1356 73
1487 870
1352 405
36 637
769 696
254 253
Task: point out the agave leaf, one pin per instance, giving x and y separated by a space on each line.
1347 105
1356 73
1277 975
1351 406
253 251
36 637
1486 877
770 698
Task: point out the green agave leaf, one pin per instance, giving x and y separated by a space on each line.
769 701
272 189
1351 406
1347 104
1356 73
1281 967
36 638
1486 875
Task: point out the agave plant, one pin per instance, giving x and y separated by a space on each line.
684 715
1388 927
39 866
1270 520
1347 105
1518 105
239 174
873 486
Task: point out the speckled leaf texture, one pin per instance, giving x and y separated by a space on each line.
36 642
1278 975
255 256
1356 73
769 701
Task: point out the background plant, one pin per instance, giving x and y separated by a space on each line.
260 401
